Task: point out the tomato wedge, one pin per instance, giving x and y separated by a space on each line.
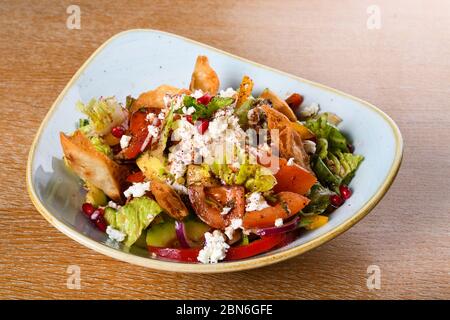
234 253
136 177
138 130
289 204
293 178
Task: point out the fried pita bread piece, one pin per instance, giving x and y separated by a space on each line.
155 98
245 91
169 200
93 166
290 141
204 77
277 120
278 104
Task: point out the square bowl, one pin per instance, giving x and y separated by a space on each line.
135 61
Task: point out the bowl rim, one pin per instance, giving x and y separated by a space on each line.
219 267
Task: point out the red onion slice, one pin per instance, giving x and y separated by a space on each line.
181 234
290 226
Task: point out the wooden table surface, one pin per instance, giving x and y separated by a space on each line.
403 67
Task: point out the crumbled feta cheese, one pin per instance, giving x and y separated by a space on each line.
138 189
290 162
162 115
125 141
310 110
278 222
197 94
255 202
167 100
150 116
223 135
234 225
113 205
180 188
215 248
115 234
310 146
227 93
153 131
188 111
225 211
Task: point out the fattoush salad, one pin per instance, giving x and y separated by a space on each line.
203 175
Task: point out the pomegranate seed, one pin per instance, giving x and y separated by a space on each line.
88 209
203 126
189 118
101 223
336 200
345 191
204 99
118 132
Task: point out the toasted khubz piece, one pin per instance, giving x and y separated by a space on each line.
245 91
278 104
169 200
290 141
204 77
155 98
93 166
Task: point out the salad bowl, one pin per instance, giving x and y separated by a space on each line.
135 60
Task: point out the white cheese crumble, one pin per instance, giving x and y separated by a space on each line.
227 93
234 225
150 116
153 131
310 146
223 135
310 110
125 141
113 205
225 211
215 248
290 162
256 202
198 94
278 222
188 111
138 189
115 234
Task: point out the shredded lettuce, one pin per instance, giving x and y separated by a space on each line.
242 111
133 218
101 146
104 114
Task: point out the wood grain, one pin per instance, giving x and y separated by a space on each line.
404 68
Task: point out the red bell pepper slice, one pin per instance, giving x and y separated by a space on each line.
136 177
234 253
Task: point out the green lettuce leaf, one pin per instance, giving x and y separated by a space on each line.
319 200
324 130
133 218
104 114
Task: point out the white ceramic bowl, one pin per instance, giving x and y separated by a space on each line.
138 60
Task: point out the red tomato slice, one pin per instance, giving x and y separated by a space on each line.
136 177
234 253
138 130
